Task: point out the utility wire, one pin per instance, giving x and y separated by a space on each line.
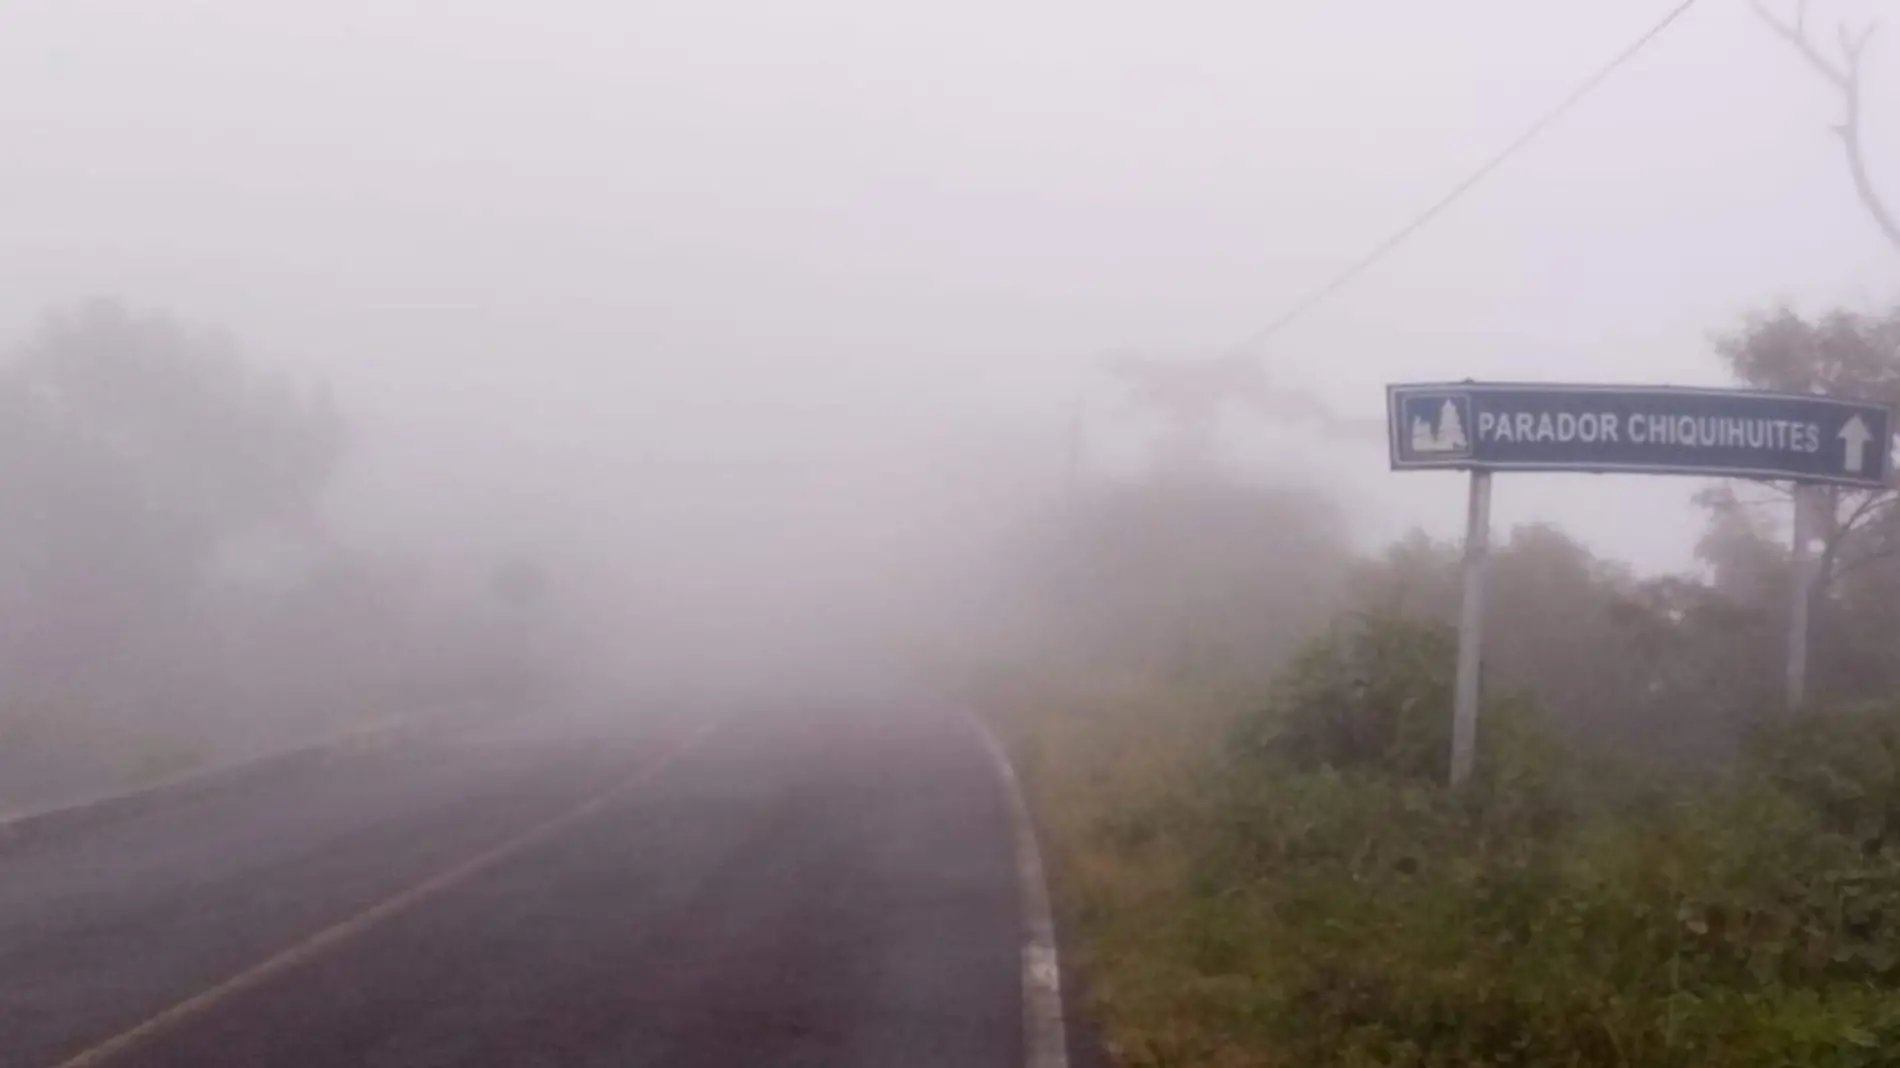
1379 252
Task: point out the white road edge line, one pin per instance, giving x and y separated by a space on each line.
1045 1039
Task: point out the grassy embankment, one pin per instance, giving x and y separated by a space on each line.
1284 881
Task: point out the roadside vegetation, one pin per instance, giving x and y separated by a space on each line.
1294 884
1236 739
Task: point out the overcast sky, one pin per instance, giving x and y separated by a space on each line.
865 237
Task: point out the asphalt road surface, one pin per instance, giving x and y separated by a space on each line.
828 888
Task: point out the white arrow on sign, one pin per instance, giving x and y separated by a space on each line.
1856 435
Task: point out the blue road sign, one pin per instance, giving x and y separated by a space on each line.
1646 429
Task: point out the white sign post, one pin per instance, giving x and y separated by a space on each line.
1801 585
1464 722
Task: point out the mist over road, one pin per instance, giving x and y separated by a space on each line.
826 885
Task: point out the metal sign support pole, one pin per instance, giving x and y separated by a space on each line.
1801 583
1464 723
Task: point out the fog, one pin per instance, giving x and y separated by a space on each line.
768 331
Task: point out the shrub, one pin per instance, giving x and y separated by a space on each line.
1334 904
1845 765
1375 696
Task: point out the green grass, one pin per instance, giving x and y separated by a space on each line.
1286 882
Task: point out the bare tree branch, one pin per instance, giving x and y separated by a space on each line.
1796 34
1846 78
1829 568
1853 45
1856 155
1865 510
1774 496
1858 562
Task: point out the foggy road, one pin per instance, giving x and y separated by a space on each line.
821 888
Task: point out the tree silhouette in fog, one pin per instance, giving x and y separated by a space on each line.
1855 645
134 449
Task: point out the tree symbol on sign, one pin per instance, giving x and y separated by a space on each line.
1449 436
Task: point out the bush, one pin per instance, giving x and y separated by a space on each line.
1375 696
1844 765
1335 904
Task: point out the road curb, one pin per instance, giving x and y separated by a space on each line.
1045 1037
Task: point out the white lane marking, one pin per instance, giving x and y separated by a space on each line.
336 934
1045 1039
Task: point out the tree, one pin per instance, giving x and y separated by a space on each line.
1195 579
1188 397
1846 75
132 450
1845 354
206 435
1660 665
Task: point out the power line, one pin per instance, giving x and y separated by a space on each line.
1379 252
